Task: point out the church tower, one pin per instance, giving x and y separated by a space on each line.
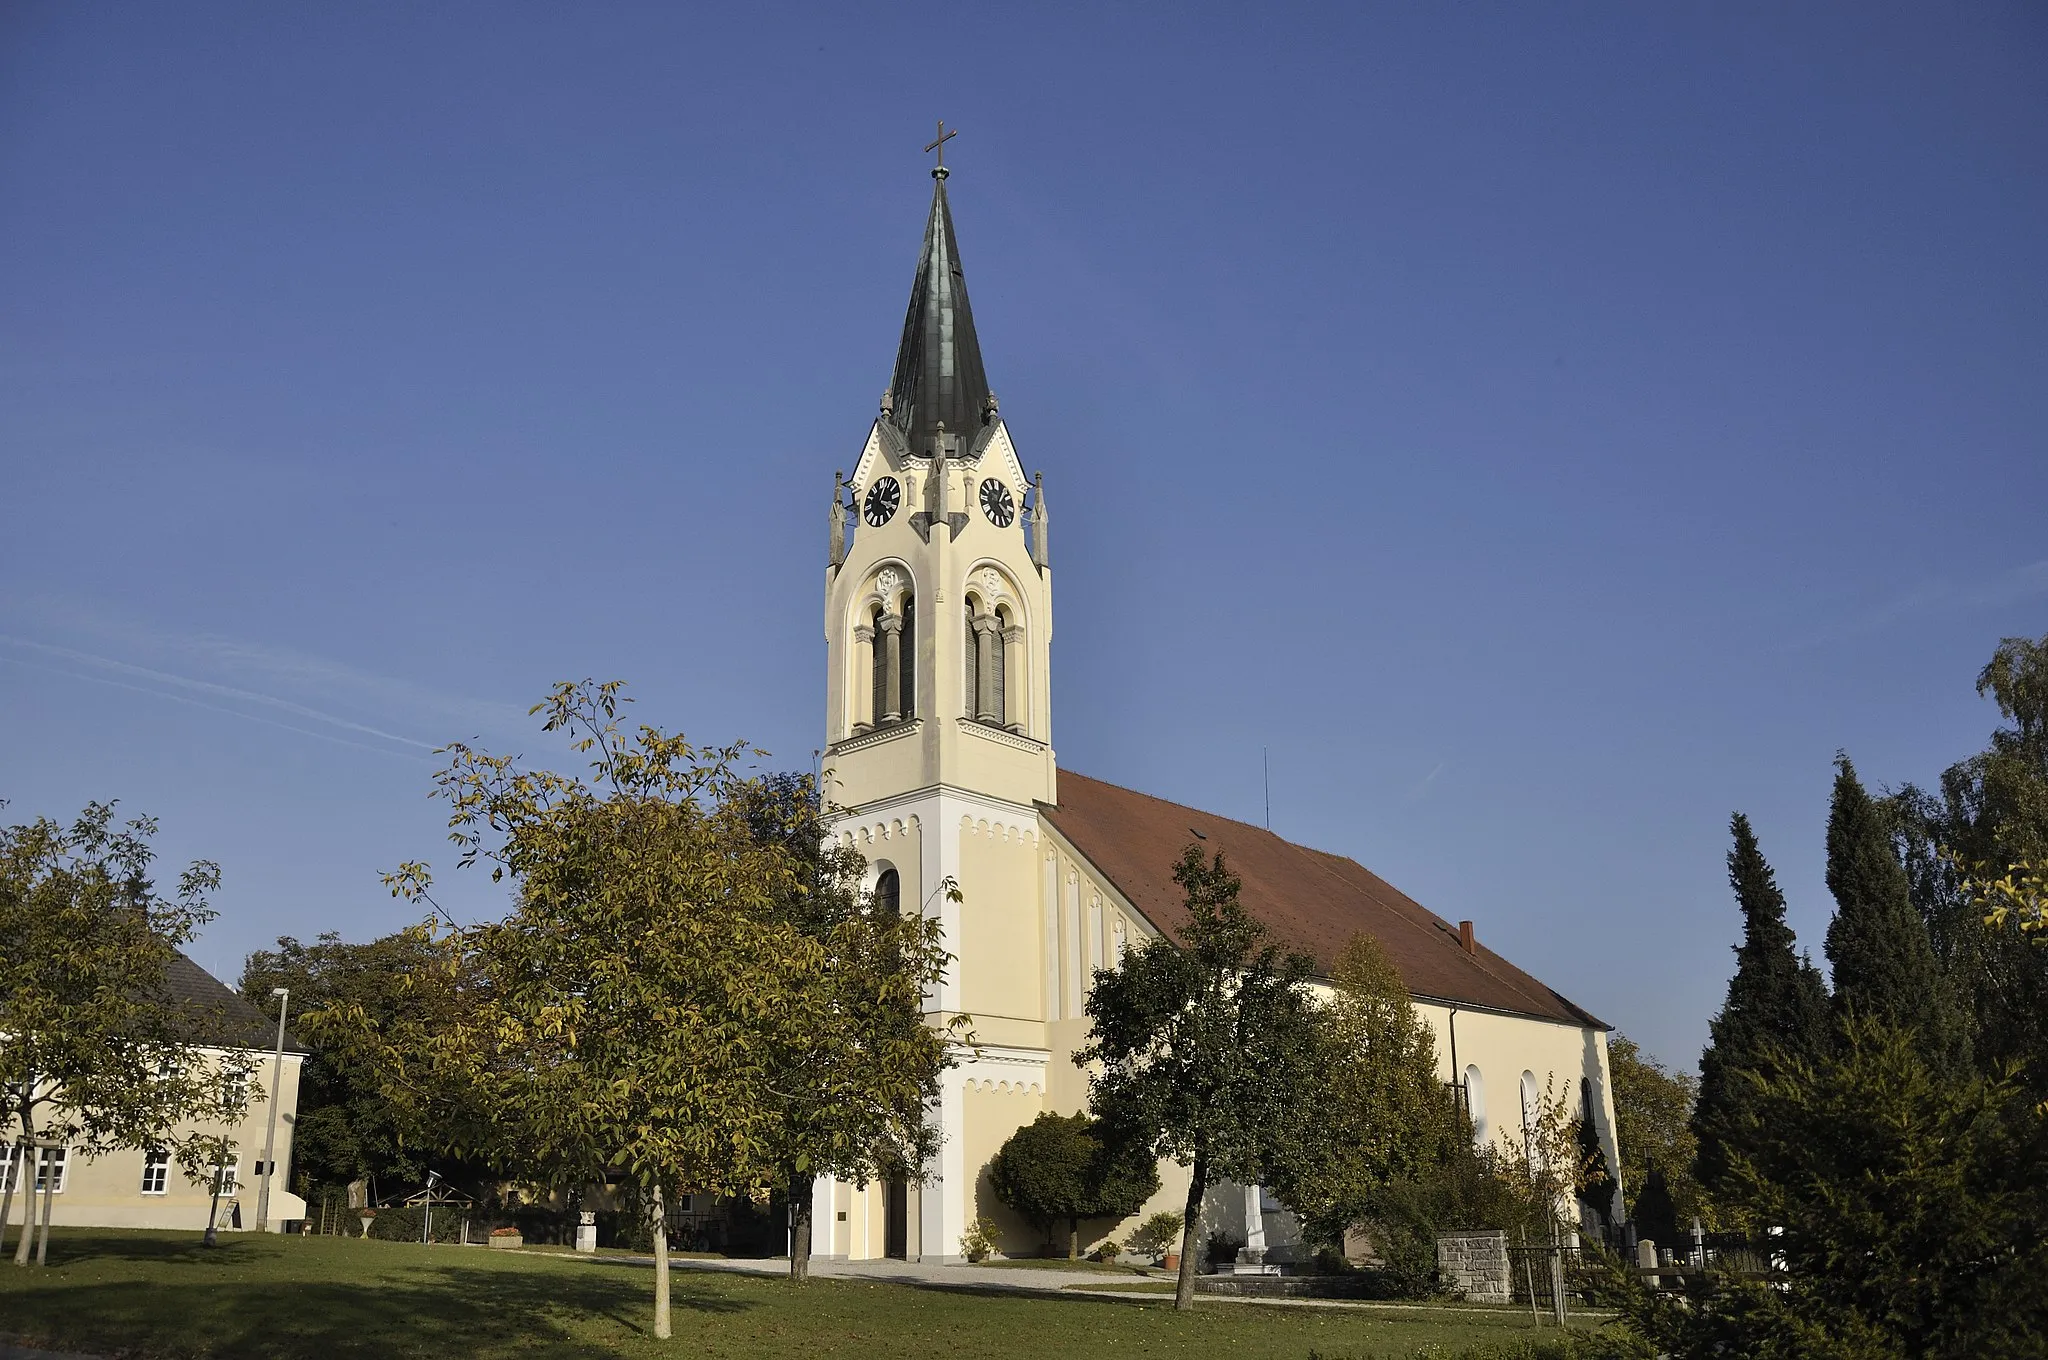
938 590
938 724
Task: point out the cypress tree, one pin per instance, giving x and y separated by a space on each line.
1777 1007
1884 963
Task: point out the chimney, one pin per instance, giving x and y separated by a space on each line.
1466 940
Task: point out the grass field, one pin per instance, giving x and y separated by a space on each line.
155 1295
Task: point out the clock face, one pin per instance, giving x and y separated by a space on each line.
996 504
883 498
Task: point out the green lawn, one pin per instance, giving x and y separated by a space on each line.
154 1295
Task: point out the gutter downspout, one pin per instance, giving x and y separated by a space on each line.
1457 1073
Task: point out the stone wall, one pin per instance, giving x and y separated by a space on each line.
1474 1264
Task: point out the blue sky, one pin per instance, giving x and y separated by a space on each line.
1546 428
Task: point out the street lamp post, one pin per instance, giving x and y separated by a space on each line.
284 1001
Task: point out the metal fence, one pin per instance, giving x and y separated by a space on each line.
1544 1276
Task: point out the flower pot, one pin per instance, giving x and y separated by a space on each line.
507 1240
1172 1260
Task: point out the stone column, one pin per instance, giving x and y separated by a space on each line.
1254 1252
863 704
892 675
984 669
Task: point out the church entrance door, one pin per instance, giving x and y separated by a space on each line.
896 1220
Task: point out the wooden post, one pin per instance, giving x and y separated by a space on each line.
8 1176
1556 1275
49 1204
1529 1274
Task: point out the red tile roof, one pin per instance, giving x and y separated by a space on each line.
1309 900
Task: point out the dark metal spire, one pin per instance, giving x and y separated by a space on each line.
938 376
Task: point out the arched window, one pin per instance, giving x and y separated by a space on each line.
879 707
908 676
896 663
971 704
1532 1103
999 702
889 893
1475 1105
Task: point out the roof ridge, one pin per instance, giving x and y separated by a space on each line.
1496 974
1190 807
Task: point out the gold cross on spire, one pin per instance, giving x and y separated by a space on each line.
939 145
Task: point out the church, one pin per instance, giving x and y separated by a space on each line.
939 759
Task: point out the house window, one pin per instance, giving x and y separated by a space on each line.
230 1174
156 1172
52 1164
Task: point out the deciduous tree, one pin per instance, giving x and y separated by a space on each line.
1989 814
856 1070
1653 1107
1381 1114
629 1015
1070 1168
1206 1045
345 1129
95 1051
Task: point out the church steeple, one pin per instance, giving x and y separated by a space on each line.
938 607
939 377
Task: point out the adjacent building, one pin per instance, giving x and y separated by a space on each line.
144 1188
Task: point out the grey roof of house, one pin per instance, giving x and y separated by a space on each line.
218 1014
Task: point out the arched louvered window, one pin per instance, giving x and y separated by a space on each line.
973 673
1475 1105
889 893
909 657
999 704
880 707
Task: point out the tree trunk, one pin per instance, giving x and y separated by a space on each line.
800 1189
212 1237
661 1327
1191 1223
1073 1239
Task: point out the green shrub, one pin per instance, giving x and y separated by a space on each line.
1158 1234
402 1223
1912 1212
978 1243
